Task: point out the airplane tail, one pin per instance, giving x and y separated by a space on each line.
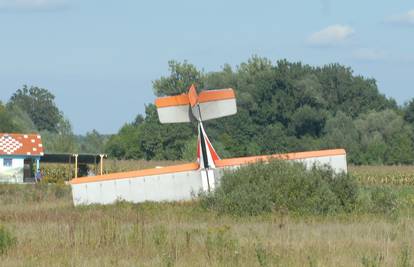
191 106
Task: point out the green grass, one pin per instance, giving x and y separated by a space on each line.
49 231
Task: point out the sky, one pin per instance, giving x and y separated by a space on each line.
99 58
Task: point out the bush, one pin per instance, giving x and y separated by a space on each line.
7 240
279 185
56 173
378 199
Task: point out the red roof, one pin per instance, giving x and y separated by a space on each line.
21 144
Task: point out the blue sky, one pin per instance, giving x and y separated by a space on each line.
99 58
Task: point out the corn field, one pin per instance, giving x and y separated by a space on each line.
383 175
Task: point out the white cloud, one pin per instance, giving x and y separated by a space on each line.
32 5
405 18
332 35
369 54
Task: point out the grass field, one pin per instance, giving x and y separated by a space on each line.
49 231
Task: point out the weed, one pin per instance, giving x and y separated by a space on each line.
262 255
375 261
7 240
405 258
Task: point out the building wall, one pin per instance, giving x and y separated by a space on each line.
14 173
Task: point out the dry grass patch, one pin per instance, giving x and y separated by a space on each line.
51 232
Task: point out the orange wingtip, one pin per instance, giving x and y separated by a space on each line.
137 174
289 156
215 95
169 101
192 98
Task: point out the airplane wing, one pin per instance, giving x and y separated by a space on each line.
184 108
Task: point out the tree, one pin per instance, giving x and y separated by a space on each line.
125 144
163 141
21 119
283 106
6 122
39 105
409 112
308 121
61 141
384 138
92 142
340 132
182 75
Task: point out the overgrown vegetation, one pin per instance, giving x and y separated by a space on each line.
285 187
48 231
7 240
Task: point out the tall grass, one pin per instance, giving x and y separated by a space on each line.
53 233
48 231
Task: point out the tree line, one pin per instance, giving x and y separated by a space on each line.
282 107
33 110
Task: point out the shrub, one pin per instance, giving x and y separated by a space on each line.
56 173
7 240
378 199
279 185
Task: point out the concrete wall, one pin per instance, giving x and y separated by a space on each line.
164 187
13 174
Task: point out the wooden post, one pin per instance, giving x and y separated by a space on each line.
76 165
101 163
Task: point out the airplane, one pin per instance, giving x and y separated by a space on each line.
183 182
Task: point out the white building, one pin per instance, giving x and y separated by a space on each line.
19 153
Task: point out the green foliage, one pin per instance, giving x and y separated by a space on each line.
190 150
33 110
409 112
6 122
382 200
340 131
221 245
280 185
308 121
56 173
149 139
181 77
7 240
405 257
372 261
39 105
281 107
384 138
23 194
21 120
92 142
61 141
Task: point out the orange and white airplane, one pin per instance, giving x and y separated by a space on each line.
183 182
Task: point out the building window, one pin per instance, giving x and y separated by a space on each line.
7 162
